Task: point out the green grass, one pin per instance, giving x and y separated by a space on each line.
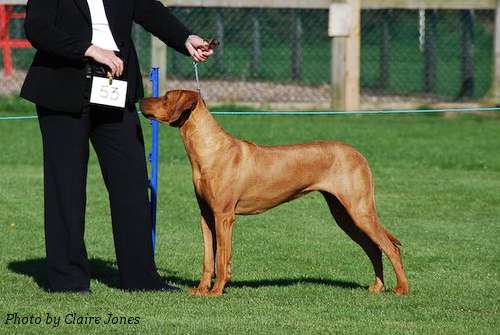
295 271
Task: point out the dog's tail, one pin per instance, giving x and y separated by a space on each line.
393 240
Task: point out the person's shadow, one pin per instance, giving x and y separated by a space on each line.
101 270
106 272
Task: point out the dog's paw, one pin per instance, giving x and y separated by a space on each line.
377 287
200 292
215 293
402 290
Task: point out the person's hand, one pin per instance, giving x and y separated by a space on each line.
198 48
106 57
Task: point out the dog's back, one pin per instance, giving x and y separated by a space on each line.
271 175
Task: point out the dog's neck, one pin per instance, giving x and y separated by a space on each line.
202 136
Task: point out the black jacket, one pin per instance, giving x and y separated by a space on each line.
61 31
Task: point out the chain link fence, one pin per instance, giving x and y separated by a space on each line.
284 56
265 55
429 55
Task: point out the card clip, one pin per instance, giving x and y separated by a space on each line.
110 77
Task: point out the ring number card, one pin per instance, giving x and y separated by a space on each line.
108 92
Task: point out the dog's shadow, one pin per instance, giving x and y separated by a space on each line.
106 272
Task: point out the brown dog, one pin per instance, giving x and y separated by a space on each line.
232 176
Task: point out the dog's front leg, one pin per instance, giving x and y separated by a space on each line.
208 230
223 230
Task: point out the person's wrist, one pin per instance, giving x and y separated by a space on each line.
90 51
189 38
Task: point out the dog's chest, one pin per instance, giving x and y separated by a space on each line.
212 184
202 180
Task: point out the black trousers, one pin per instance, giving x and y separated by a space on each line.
116 136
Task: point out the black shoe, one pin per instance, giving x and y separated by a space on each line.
83 291
161 287
169 288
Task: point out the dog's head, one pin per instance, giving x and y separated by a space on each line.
173 108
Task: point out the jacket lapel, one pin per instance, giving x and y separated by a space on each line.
112 20
84 8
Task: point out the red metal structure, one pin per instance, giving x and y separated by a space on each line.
7 14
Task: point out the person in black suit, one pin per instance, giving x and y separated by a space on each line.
69 35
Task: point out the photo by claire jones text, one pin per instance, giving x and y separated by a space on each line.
70 319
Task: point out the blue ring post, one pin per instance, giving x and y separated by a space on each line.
153 155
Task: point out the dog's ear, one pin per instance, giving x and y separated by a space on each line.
186 102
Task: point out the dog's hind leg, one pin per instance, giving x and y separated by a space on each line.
364 216
368 223
373 252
